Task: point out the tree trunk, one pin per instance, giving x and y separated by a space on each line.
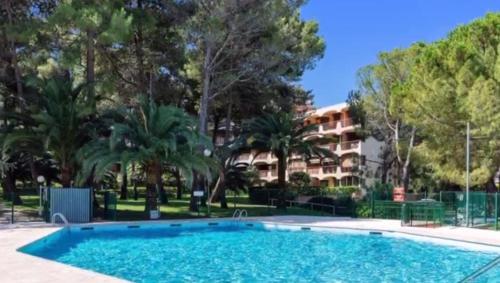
203 119
13 58
219 192
139 53
152 171
33 171
205 96
65 176
490 186
227 133
161 188
193 201
178 182
136 194
9 188
90 72
124 185
282 180
215 129
222 198
406 166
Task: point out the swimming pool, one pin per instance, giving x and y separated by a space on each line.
229 251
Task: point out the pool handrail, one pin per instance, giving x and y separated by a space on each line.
236 213
61 216
473 276
239 213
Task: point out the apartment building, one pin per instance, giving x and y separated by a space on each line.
358 160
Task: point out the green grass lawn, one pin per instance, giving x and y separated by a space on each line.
131 209
176 209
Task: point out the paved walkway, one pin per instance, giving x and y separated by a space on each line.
20 267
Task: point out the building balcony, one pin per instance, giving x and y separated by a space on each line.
263 173
244 157
262 156
329 169
296 169
313 171
328 126
336 125
346 123
348 169
331 146
349 145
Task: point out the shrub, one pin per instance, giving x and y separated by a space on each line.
335 191
363 210
299 180
382 191
259 195
310 191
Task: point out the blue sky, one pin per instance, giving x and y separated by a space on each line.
356 30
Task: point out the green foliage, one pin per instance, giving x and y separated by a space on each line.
299 180
333 191
150 135
282 134
381 191
61 124
379 106
456 80
237 177
363 210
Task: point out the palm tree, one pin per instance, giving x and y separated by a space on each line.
153 136
61 124
283 135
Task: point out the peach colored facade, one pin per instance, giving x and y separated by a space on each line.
357 160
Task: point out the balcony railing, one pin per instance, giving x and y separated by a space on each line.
329 169
348 169
329 125
346 123
313 170
296 169
263 173
274 173
244 156
261 156
349 145
330 146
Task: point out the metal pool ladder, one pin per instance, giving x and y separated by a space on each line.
472 277
61 216
238 214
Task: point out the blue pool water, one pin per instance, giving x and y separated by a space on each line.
232 252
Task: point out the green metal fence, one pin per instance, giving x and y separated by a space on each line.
422 213
446 207
483 209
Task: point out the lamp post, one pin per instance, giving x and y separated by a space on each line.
207 152
40 179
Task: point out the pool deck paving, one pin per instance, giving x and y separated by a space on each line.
19 267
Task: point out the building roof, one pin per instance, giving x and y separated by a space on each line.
332 108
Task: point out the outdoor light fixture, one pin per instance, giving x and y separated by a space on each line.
207 152
40 179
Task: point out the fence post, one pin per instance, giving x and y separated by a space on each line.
485 207
372 204
403 214
496 210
